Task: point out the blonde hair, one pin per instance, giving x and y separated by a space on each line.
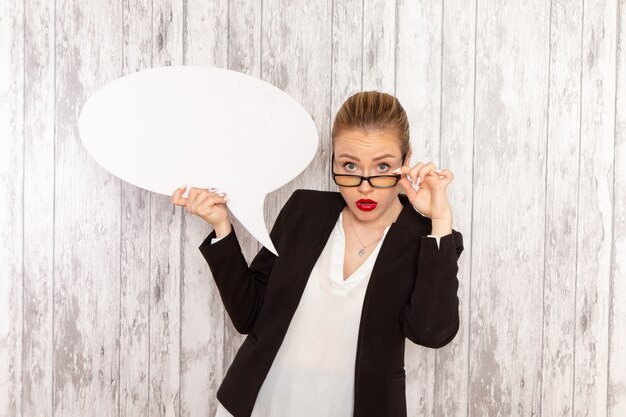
371 111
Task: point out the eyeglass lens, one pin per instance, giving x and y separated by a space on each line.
354 181
350 181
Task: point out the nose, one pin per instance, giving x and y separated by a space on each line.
365 187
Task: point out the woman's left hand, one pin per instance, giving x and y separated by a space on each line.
431 198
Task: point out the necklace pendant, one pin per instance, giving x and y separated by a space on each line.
362 252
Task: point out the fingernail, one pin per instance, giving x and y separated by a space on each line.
220 194
395 171
182 186
226 199
211 189
409 178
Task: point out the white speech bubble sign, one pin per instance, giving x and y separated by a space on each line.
204 127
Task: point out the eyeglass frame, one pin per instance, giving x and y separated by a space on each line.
334 174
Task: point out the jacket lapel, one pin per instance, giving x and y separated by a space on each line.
389 250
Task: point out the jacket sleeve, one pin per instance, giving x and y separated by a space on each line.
241 287
431 318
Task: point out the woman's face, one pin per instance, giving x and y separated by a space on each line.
369 153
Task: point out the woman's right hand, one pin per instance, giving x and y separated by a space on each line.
205 203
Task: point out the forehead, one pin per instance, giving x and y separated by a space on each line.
357 140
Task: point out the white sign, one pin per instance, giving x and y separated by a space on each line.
204 127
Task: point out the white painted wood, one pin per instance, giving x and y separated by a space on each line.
11 206
379 45
165 294
456 138
563 151
616 395
244 55
39 168
508 204
595 212
108 309
347 63
86 219
418 87
205 36
166 242
300 64
135 294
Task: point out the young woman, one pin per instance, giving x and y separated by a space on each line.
358 272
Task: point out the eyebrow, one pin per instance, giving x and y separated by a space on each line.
375 159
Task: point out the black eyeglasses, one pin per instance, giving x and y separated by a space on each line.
376 181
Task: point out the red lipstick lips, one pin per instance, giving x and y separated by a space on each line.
366 204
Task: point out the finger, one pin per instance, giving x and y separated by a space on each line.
177 196
413 172
204 198
209 199
424 170
408 188
446 176
403 171
441 172
180 201
191 197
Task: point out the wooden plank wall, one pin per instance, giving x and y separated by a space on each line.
107 307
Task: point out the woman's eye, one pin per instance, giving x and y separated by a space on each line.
345 165
383 166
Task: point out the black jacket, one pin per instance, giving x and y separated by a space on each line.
411 293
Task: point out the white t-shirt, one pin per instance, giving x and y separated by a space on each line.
313 371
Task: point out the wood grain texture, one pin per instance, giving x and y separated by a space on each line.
616 395
39 168
509 201
563 154
418 87
205 40
107 307
244 55
86 219
456 139
165 317
347 63
166 243
12 174
595 211
296 58
135 294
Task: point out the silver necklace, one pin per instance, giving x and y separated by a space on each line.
362 250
